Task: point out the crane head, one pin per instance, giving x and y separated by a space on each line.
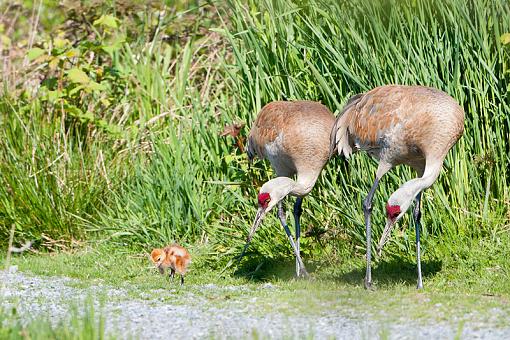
157 256
397 205
264 198
392 211
269 195
265 204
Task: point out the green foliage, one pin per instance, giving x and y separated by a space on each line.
51 180
80 326
77 131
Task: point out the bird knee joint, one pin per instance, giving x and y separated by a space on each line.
367 206
417 215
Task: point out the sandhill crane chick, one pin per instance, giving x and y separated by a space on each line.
174 257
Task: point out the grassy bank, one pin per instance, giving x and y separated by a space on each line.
111 126
394 308
451 294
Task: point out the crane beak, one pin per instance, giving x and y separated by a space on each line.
261 213
385 236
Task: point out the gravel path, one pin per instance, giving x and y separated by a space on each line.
186 315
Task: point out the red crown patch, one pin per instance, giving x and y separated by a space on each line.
393 211
263 198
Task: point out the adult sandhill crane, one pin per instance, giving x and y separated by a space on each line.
295 138
396 124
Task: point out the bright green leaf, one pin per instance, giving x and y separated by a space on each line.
87 116
35 53
73 110
107 21
78 76
218 30
114 45
76 90
5 40
72 53
105 102
96 86
54 95
54 62
229 159
60 43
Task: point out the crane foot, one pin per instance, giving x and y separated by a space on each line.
303 273
368 285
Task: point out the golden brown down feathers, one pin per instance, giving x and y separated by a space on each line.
174 257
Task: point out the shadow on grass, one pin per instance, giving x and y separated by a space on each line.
395 270
261 269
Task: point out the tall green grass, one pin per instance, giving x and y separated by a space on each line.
52 178
79 325
192 185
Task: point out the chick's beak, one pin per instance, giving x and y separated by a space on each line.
261 213
386 235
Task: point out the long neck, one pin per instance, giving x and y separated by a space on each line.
304 184
415 186
283 186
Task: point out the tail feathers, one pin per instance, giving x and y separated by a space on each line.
339 139
181 264
178 263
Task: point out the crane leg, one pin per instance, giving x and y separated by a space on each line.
417 226
300 271
281 216
367 210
